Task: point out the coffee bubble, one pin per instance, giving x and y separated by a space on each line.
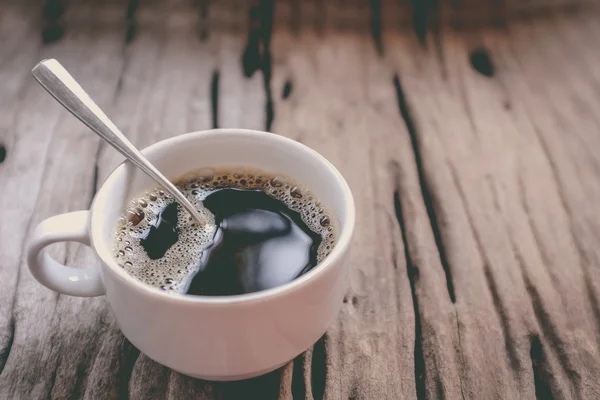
173 271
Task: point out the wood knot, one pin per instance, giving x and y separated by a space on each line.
481 61
287 89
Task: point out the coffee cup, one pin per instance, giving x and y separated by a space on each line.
210 337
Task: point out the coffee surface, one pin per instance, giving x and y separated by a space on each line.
262 231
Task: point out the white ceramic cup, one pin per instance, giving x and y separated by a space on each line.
214 338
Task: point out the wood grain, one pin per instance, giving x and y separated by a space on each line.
470 153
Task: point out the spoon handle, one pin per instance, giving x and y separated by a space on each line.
65 89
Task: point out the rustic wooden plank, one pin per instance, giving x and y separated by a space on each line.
475 258
543 245
330 96
449 146
51 341
565 126
19 48
524 301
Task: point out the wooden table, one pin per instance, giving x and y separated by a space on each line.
473 154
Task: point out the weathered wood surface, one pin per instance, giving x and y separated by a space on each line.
472 155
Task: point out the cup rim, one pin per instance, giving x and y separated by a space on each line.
332 258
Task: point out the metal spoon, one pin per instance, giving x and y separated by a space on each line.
65 89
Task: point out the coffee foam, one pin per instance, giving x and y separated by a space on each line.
176 268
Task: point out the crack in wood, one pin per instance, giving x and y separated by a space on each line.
119 86
540 376
494 191
428 198
460 379
131 21
53 27
214 98
95 173
149 379
251 58
298 384
81 380
589 286
439 389
203 9
262 387
546 325
509 345
287 89
257 54
420 17
412 271
53 379
429 202
436 28
121 78
267 63
375 7
546 259
5 351
418 338
129 357
318 368
591 293
393 244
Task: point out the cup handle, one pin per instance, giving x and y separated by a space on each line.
70 227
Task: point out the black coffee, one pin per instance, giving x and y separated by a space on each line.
263 232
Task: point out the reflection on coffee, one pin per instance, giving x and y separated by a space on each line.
262 231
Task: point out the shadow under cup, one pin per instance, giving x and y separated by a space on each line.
226 337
